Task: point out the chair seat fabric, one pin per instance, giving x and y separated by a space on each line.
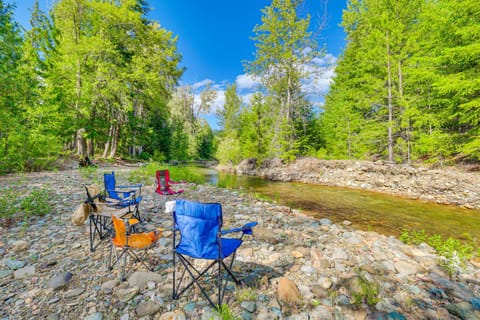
137 241
228 247
168 192
134 240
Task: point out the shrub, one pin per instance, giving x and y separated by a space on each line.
9 204
414 237
368 292
36 203
245 294
13 201
226 313
146 173
453 252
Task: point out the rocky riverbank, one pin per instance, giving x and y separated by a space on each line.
447 186
295 267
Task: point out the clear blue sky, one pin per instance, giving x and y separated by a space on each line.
215 35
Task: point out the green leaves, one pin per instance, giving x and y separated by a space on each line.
433 58
284 47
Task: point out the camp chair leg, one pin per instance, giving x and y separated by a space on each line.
123 269
188 267
219 283
123 254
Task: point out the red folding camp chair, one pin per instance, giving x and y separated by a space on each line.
164 183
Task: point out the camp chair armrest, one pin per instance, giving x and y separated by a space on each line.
114 205
246 229
138 186
126 193
178 182
134 188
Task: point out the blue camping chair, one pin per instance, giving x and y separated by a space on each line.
123 196
201 237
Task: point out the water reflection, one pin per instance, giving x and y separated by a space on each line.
366 210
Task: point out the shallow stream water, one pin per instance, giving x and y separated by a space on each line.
366 210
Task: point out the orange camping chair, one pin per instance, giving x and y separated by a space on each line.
129 244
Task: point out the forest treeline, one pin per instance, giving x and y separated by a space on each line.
92 78
406 89
99 78
407 85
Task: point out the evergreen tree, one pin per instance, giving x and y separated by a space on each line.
10 84
228 150
284 47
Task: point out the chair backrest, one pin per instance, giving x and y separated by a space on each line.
163 180
199 225
109 180
120 231
93 193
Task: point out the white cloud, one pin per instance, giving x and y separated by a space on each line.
322 72
219 99
246 81
201 84
316 86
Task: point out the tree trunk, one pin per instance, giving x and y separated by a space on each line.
107 144
400 96
81 144
349 142
90 147
390 105
113 150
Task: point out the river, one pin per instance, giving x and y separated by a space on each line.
366 210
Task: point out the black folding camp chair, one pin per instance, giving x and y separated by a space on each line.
100 215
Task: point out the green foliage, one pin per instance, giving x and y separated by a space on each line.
225 313
369 292
417 60
453 252
228 144
9 203
90 175
281 70
229 150
245 294
414 237
14 201
37 202
94 70
146 174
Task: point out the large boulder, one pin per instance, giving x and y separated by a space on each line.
288 291
247 167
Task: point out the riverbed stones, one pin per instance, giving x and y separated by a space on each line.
324 262
406 268
19 245
127 294
141 278
147 308
26 272
173 315
288 291
60 280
